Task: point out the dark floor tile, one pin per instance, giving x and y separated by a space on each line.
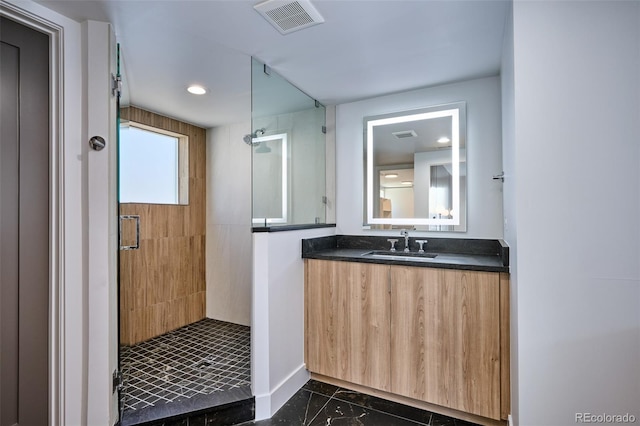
224 408
340 413
201 358
231 414
320 387
179 422
465 423
199 420
442 420
379 404
299 410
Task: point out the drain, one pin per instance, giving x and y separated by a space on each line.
204 364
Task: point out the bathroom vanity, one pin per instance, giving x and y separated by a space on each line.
426 329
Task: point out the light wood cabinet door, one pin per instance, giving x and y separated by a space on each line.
445 338
347 321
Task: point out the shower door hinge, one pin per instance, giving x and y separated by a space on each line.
117 380
116 85
325 200
324 129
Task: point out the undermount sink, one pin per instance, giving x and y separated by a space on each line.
398 254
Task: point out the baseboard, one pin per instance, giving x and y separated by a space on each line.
288 387
263 406
268 404
509 420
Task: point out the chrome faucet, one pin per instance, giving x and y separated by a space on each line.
405 234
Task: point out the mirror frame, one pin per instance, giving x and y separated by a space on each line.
457 112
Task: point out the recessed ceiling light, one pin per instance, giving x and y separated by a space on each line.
196 90
407 182
444 139
391 175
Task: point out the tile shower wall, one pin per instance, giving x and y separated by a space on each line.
162 285
228 238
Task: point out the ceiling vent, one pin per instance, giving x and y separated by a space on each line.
405 134
288 16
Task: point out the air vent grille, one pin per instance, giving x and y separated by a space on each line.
289 16
405 134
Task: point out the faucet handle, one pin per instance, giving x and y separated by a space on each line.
393 242
421 242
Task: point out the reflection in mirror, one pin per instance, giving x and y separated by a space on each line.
415 166
270 194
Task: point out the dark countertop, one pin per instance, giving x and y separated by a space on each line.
452 253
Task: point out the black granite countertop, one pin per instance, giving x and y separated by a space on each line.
450 253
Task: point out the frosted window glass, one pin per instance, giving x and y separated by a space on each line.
148 167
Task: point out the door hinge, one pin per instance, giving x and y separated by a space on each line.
117 380
116 85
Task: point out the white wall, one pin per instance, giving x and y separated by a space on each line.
401 201
484 208
576 93
228 235
277 335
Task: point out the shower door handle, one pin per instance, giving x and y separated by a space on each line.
135 217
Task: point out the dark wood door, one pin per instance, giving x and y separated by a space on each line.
24 221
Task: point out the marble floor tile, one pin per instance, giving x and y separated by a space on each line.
320 387
300 410
322 404
340 413
386 406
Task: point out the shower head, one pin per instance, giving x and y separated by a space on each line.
262 148
248 139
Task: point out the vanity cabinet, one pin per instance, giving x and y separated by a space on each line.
347 322
426 334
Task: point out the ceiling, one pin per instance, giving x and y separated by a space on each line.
365 48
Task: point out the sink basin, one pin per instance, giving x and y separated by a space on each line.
399 254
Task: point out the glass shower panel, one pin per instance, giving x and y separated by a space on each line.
288 152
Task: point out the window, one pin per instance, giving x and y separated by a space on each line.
154 165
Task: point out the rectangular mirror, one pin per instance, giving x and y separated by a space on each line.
415 169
